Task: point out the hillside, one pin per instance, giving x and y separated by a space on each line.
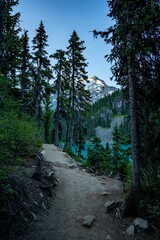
98 88
106 113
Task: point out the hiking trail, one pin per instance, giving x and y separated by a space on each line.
77 195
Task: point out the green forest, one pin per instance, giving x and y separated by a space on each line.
29 80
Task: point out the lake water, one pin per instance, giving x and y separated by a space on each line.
84 152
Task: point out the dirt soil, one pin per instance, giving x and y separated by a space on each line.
78 194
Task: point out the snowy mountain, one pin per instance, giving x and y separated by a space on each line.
98 88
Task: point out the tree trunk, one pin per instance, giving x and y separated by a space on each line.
57 109
71 127
71 131
67 131
131 203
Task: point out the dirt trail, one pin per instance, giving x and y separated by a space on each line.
77 195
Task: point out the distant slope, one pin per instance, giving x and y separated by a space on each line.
98 88
105 134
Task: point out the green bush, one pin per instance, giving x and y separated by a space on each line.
71 154
17 138
99 157
150 202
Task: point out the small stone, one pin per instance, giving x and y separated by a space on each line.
103 177
41 194
72 166
108 237
34 216
88 220
142 223
109 204
44 206
130 230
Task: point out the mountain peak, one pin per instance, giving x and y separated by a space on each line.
98 88
97 80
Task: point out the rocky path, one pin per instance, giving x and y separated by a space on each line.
78 194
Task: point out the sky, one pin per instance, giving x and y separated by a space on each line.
61 18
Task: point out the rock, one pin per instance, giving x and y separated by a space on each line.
73 166
44 206
41 194
88 220
142 223
108 237
34 216
130 230
43 152
109 205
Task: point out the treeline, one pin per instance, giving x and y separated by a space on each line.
28 81
114 159
135 53
103 112
115 101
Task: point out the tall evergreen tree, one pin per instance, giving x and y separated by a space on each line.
2 16
62 72
79 97
41 70
25 73
10 42
135 40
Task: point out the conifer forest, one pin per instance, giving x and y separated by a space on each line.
32 80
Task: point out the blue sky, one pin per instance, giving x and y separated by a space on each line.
61 17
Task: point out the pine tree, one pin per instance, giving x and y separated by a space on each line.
62 71
2 16
47 119
135 49
25 73
10 42
79 97
116 149
41 70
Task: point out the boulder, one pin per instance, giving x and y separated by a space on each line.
141 223
88 220
130 230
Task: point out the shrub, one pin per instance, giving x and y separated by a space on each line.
17 138
150 202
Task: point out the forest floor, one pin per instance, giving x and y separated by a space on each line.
78 194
